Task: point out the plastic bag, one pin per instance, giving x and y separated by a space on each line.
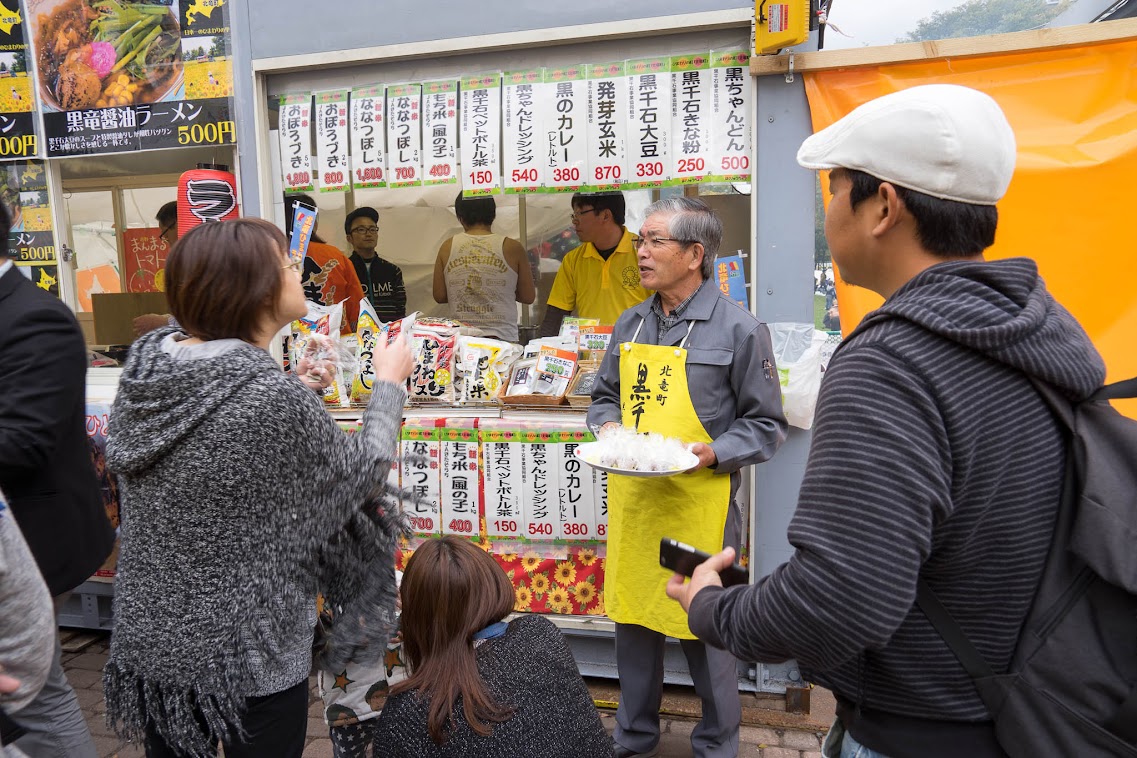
797 351
433 342
316 337
483 365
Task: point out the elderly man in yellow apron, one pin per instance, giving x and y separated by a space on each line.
687 363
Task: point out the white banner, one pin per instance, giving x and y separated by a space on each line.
368 137
607 126
649 123
333 169
730 117
690 118
404 135
600 483
296 142
460 482
523 138
419 451
481 135
501 463
440 132
565 119
577 509
540 478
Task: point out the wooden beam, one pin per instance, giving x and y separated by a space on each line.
963 47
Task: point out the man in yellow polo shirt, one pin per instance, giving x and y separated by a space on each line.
601 278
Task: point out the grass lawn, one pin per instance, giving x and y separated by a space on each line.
819 311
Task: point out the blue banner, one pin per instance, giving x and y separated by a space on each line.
731 277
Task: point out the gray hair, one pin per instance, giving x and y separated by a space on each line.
691 220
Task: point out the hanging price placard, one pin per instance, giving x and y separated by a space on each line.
440 132
577 494
296 142
501 464
540 477
649 123
333 170
730 117
690 117
481 135
404 135
522 131
368 137
420 452
566 122
461 482
607 126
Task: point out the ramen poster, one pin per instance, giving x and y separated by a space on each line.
124 75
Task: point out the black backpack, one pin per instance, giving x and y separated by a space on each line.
1071 689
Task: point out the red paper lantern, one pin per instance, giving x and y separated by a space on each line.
206 194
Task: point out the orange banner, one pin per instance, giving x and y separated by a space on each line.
1074 112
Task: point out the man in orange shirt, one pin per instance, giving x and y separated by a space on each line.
329 277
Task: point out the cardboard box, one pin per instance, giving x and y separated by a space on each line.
115 314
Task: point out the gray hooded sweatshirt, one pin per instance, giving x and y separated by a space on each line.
240 499
933 456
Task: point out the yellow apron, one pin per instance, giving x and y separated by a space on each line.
691 508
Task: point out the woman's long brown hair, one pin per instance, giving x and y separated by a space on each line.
451 590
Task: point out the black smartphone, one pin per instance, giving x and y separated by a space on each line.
682 559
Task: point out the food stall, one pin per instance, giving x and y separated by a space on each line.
664 109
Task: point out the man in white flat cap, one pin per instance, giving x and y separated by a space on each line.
933 456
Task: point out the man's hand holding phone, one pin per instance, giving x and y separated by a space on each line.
706 574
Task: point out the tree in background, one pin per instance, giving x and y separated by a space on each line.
976 17
821 255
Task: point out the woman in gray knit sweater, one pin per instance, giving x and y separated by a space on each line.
241 499
480 686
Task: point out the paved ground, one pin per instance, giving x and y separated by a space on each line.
765 733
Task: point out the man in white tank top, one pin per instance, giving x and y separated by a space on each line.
483 275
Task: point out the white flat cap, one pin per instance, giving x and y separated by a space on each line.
944 140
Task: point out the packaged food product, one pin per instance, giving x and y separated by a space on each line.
368 332
434 343
522 377
554 370
316 337
483 365
571 326
594 341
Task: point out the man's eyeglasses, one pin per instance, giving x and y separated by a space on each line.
577 214
365 230
297 267
166 231
653 243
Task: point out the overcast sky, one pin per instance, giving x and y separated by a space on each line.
878 22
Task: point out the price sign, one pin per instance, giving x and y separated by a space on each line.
540 478
522 131
419 452
501 464
566 122
440 132
404 135
296 142
730 117
368 137
690 118
649 123
461 482
607 126
577 508
600 492
333 170
481 135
